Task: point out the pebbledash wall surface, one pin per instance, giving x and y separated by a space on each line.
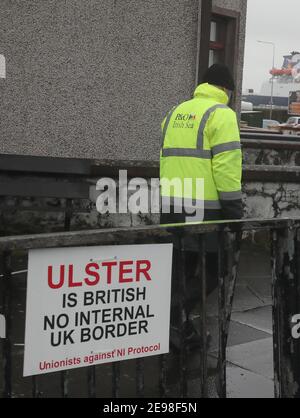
94 78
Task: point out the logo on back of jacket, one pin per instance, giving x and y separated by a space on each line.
184 121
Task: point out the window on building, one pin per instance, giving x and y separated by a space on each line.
217 42
223 38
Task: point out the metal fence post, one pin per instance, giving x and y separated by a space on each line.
203 351
163 376
92 382
275 312
140 383
7 344
222 316
286 305
64 376
179 279
116 377
182 302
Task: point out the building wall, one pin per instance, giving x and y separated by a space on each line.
94 78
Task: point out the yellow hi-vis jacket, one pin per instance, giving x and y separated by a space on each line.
201 140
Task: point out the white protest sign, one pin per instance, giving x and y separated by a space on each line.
96 305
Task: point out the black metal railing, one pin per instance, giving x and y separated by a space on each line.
153 376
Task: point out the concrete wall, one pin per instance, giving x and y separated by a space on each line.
270 185
275 191
271 200
94 78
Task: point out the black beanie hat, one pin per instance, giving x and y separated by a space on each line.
219 75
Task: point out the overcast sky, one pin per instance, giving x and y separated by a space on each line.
274 21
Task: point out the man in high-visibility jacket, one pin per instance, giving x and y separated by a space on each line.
201 140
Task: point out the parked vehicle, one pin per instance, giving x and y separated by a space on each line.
295 120
292 126
270 123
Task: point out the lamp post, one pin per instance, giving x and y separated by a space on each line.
272 84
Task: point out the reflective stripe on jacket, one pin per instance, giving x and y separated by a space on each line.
201 140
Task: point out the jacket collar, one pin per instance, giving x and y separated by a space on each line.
208 91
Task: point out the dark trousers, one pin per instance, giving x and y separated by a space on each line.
193 278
